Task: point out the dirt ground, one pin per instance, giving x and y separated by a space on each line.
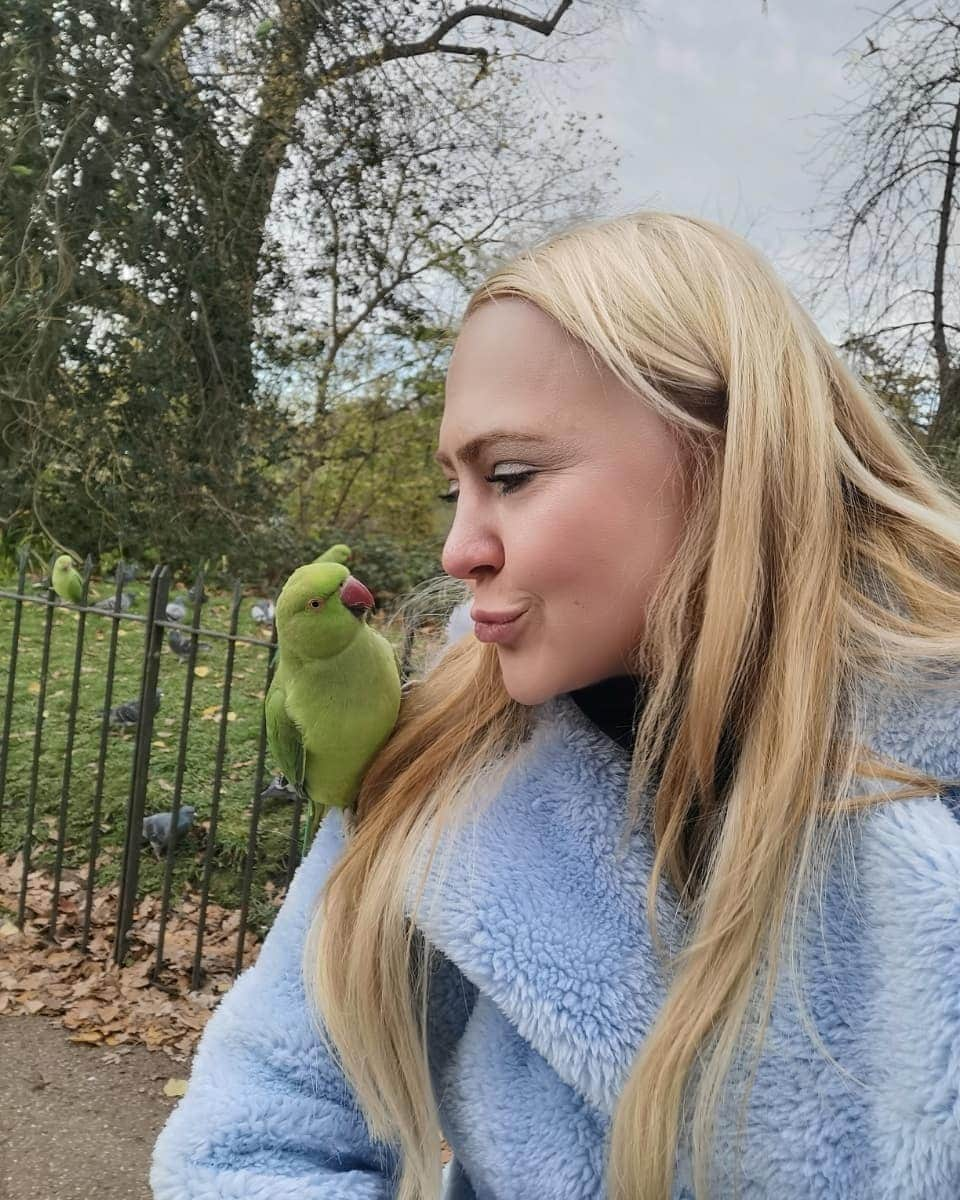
73 1123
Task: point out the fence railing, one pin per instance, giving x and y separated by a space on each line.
153 626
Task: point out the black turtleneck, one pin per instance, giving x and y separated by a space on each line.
611 705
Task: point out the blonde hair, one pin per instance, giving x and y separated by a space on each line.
820 560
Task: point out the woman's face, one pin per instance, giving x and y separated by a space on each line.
569 509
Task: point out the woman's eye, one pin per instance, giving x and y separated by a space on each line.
507 483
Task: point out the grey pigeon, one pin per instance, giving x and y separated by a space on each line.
279 788
108 604
156 829
127 714
179 643
128 571
263 612
192 593
176 611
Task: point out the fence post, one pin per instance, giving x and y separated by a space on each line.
115 618
150 673
11 679
37 742
68 750
174 838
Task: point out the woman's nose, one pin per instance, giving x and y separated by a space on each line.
470 548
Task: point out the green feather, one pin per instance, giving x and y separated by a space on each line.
334 698
340 553
66 580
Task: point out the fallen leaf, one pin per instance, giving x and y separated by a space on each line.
98 1002
175 1087
201 672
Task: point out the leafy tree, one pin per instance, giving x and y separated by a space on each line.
210 208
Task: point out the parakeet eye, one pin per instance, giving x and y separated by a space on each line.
316 602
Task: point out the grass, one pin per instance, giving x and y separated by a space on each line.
202 731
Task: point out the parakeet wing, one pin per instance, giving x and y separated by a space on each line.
283 737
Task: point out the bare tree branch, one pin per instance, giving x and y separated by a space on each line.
433 42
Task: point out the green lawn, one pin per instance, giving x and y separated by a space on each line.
202 722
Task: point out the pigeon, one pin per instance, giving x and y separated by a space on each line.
179 643
128 571
192 593
279 788
263 612
127 714
176 611
108 604
156 829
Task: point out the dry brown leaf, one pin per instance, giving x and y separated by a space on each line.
175 1087
97 1001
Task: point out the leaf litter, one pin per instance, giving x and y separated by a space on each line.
98 1002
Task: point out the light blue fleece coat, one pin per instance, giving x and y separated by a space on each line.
548 984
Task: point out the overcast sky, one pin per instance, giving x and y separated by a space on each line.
713 105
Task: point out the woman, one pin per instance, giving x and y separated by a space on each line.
655 889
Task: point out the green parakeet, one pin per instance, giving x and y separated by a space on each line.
66 580
339 553
335 696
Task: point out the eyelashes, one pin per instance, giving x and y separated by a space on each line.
507 484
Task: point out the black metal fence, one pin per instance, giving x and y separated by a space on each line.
153 627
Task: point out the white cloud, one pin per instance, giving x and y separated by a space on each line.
713 107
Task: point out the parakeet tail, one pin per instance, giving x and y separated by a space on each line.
315 814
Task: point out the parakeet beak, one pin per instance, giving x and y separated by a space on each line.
355 596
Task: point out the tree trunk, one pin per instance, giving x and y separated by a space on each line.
945 425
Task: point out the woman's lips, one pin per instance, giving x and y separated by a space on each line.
502 632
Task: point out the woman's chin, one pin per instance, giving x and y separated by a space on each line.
528 691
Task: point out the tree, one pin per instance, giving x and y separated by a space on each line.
907 397
891 206
162 162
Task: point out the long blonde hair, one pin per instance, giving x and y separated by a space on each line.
821 559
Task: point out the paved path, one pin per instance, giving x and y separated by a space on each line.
72 1125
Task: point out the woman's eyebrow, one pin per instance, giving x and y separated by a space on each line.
470 451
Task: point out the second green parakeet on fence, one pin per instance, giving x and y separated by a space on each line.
66 581
334 698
